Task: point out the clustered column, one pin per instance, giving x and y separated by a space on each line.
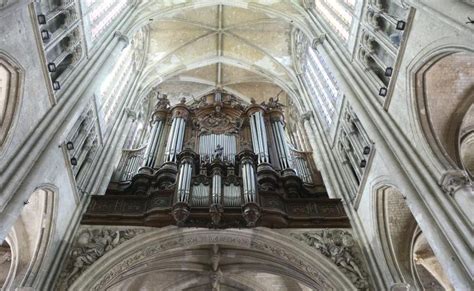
176 135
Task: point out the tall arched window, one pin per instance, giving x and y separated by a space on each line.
9 94
100 14
322 86
339 15
112 91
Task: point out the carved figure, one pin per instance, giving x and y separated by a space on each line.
218 152
163 102
273 103
216 211
339 247
90 246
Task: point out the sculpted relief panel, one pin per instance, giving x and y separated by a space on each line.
340 247
90 245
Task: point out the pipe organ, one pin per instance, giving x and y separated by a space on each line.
219 162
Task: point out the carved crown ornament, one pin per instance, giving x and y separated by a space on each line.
218 115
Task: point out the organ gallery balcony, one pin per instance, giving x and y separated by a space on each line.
217 162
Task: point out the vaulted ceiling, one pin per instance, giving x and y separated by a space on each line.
244 50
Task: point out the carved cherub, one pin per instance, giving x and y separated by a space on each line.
163 102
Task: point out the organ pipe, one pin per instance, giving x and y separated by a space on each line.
248 177
259 136
153 144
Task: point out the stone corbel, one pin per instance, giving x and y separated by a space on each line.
318 40
308 4
122 37
457 184
306 116
453 181
131 113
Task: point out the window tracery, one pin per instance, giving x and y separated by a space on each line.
111 93
321 85
339 15
100 15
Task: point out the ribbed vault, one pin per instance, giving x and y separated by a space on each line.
243 47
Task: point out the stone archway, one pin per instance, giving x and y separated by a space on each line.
29 239
230 254
444 93
11 75
411 261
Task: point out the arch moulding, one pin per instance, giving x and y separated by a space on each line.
317 270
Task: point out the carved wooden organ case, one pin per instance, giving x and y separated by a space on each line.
218 162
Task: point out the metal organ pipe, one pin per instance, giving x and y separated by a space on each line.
176 139
278 145
252 183
264 137
153 144
180 140
244 179
180 183
284 145
254 135
259 137
216 188
170 140
188 181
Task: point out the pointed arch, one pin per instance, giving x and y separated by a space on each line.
11 78
444 92
281 253
30 239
